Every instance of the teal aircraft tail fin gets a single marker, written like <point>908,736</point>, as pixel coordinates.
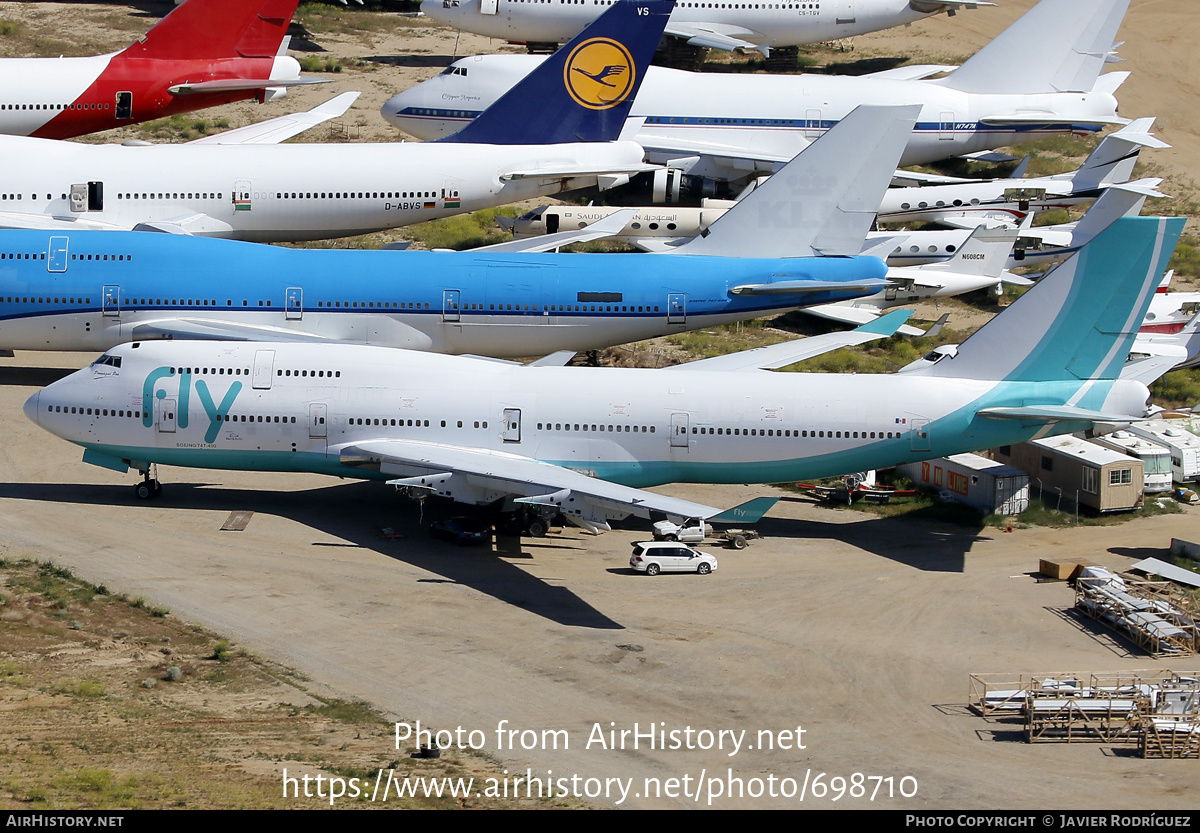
<point>1080,321</point>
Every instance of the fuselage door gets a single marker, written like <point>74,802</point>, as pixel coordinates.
<point>56,260</point>
<point>110,300</point>
<point>293,306</point>
<point>488,6</point>
<point>318,416</point>
<point>845,11</point>
<point>511,433</point>
<point>124,108</point>
<point>264,369</point>
<point>450,305</point>
<point>164,416</point>
<point>812,123</point>
<point>679,430</point>
<point>242,189</point>
<point>919,434</point>
<point>946,126</point>
<point>676,308</point>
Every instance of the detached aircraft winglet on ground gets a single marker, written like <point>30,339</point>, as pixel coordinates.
<point>202,54</point>
<point>587,443</point>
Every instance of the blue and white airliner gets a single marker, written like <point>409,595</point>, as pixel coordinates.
<point>587,442</point>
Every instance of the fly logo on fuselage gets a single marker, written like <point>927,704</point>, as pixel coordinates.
<point>599,73</point>
<point>151,390</point>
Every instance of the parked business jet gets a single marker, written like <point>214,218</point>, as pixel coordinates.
<point>978,264</point>
<point>88,290</point>
<point>1008,201</point>
<point>1040,77</point>
<point>758,26</point>
<point>202,54</point>
<point>587,442</point>
<point>555,131</point>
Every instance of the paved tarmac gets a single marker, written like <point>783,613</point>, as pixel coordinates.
<point>858,630</point>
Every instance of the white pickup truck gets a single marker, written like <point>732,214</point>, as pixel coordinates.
<point>693,531</point>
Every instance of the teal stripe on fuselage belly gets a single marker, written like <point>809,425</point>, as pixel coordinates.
<point>960,431</point>
<point>226,459</point>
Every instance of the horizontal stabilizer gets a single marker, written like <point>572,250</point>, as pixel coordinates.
<point>1055,413</point>
<point>569,171</point>
<point>233,85</point>
<point>274,131</point>
<point>559,358</point>
<point>1153,367</point>
<point>790,352</point>
<point>800,287</point>
<point>848,313</point>
<point>607,227</point>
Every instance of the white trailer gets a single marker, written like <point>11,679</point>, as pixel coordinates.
<point>1155,455</point>
<point>1183,445</point>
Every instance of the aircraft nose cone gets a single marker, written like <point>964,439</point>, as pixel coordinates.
<point>31,407</point>
<point>435,10</point>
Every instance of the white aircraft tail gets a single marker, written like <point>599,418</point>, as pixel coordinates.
<point>1113,159</point>
<point>822,202</point>
<point>1057,46</point>
<point>983,253</point>
<point>1079,322</point>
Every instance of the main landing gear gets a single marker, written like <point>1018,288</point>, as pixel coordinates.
<point>533,524</point>
<point>149,488</point>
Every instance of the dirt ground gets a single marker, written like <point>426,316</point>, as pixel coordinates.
<point>860,631</point>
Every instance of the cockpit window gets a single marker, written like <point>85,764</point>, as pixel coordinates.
<point>111,361</point>
<point>534,214</point>
<point>452,70</point>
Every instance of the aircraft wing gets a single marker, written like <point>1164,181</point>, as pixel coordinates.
<point>185,224</point>
<point>26,220</point>
<point>1021,119</point>
<point>790,352</point>
<point>274,131</point>
<point>912,73</point>
<point>716,35</point>
<point>481,476</point>
<point>610,225</point>
<point>201,329</point>
<point>230,85</point>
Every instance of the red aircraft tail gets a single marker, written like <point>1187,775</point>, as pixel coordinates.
<point>218,29</point>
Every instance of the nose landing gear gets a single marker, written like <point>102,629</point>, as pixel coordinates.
<point>149,488</point>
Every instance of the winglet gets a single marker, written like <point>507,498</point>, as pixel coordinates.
<point>747,513</point>
<point>583,92</point>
